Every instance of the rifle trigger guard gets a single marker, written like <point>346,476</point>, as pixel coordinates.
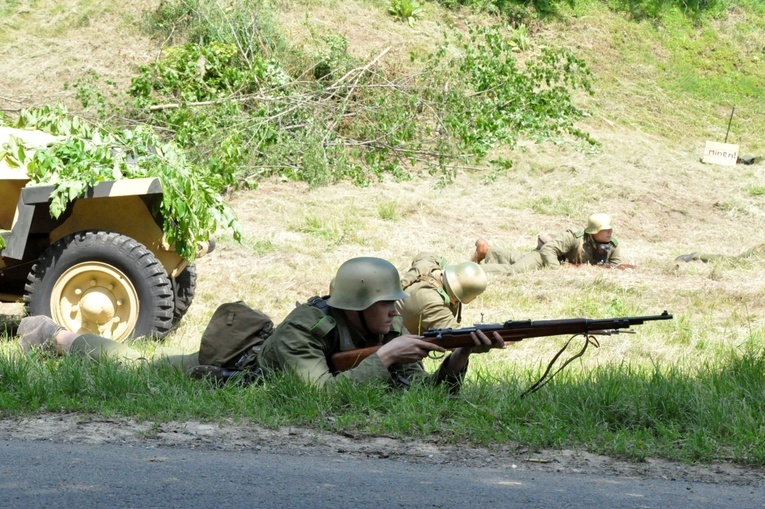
<point>436,357</point>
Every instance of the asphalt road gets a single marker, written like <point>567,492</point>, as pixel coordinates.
<point>55,475</point>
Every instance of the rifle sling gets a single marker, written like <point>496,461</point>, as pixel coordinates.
<point>544,379</point>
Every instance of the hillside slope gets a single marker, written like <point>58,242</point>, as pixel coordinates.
<point>665,202</point>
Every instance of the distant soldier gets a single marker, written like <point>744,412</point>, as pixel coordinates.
<point>437,291</point>
<point>594,245</point>
<point>757,251</point>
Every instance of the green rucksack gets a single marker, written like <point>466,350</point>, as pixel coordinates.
<point>233,340</point>
<point>234,336</point>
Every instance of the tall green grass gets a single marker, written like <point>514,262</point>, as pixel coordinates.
<point>706,412</point>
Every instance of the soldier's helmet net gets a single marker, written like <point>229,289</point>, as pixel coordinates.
<point>360,282</point>
<point>466,281</point>
<point>598,222</point>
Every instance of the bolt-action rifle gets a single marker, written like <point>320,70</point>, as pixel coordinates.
<point>517,330</point>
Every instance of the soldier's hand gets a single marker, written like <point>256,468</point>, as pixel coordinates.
<point>406,349</point>
<point>483,343</point>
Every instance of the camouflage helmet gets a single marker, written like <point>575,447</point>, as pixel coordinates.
<point>598,222</point>
<point>360,282</point>
<point>466,281</point>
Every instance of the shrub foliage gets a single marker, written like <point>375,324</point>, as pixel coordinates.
<point>248,111</point>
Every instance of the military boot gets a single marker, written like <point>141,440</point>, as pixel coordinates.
<point>481,250</point>
<point>38,332</point>
<point>687,258</point>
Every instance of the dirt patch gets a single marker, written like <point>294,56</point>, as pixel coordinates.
<point>73,428</point>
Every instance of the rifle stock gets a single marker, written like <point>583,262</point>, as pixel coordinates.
<point>510,331</point>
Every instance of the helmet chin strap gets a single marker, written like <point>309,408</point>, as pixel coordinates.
<point>454,297</point>
<point>363,322</point>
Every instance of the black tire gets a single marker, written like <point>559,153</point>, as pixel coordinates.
<point>101,282</point>
<point>184,287</point>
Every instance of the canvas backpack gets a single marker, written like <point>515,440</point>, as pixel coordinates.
<point>234,336</point>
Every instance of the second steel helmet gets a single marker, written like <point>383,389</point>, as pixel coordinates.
<point>360,282</point>
<point>466,281</point>
<point>598,222</point>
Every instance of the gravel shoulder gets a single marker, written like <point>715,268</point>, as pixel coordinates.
<point>192,435</point>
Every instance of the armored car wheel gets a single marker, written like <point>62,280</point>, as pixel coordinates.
<point>184,287</point>
<point>103,283</point>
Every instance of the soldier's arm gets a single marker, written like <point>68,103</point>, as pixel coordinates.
<point>557,248</point>
<point>293,348</point>
<point>616,256</point>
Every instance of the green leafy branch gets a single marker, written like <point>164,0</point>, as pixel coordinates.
<point>244,110</point>
<point>85,155</point>
<point>405,10</point>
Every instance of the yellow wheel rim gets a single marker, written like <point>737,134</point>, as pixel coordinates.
<point>95,298</point>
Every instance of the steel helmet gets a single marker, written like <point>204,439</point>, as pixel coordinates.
<point>466,281</point>
<point>360,282</point>
<point>598,222</point>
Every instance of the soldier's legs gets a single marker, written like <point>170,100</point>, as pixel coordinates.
<point>504,256</point>
<point>527,262</point>
<point>530,261</point>
<point>182,361</point>
<point>758,251</point>
<point>99,348</point>
<point>42,333</point>
<point>485,254</point>
<point>700,257</point>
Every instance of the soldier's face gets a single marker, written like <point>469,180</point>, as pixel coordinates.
<point>603,236</point>
<point>379,316</point>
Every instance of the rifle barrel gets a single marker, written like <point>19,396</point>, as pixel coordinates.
<point>510,330</point>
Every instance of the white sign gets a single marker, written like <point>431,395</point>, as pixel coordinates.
<point>720,153</point>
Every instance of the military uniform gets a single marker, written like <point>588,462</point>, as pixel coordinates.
<point>572,246</point>
<point>757,251</point>
<point>306,340</point>
<point>429,304</point>
<point>303,343</point>
<point>97,348</point>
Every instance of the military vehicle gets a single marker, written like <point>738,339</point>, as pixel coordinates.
<point>104,266</point>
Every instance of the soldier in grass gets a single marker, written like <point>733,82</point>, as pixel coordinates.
<point>594,245</point>
<point>757,252</point>
<point>437,290</point>
<point>360,312</point>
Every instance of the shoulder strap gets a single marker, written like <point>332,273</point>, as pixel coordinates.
<point>326,323</point>
<point>444,294</point>
<point>397,324</point>
<point>319,303</point>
